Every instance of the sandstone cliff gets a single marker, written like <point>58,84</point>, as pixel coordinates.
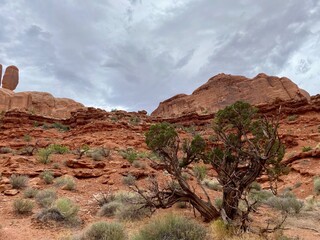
<point>223,90</point>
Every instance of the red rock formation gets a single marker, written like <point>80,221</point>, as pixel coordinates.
<point>39,103</point>
<point>223,90</point>
<point>11,78</point>
<point>0,73</point>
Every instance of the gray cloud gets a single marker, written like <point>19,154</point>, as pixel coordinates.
<point>133,54</point>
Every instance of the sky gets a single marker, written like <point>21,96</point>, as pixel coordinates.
<point>133,54</point>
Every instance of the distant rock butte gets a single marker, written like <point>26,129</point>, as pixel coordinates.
<point>223,90</point>
<point>39,103</point>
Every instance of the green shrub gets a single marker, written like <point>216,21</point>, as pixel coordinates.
<point>99,154</point>
<point>44,155</point>
<point>27,138</point>
<point>47,177</point>
<point>132,212</point>
<point>61,127</point>
<point>109,209</point>
<point>220,230</point>
<point>128,180</point>
<point>218,203</point>
<point>288,204</point>
<point>138,164</point>
<point>59,149</point>
<point>48,214</point>
<point>30,192</point>
<point>96,156</point>
<point>200,171</point>
<point>66,183</point>
<point>104,231</point>
<point>45,198</point>
<point>306,149</point>
<point>23,206</point>
<point>129,154</point>
<point>172,227</point>
<point>292,118</point>
<point>255,186</point>
<point>260,196</point>
<point>67,209</point>
<point>4,150</point>
<point>316,186</point>
<point>212,184</point>
<point>19,181</point>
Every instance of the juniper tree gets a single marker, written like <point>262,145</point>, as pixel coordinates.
<point>245,146</point>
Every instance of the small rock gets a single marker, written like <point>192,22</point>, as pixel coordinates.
<point>11,192</point>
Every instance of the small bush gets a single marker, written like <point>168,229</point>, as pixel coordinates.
<point>212,184</point>
<point>23,206</point>
<point>44,155</point>
<point>66,183</point>
<point>288,204</point>
<point>99,153</point>
<point>27,138</point>
<point>138,164</point>
<point>200,171</point>
<point>61,127</point>
<point>260,196</point>
<point>292,118</point>
<point>220,230</point>
<point>48,214</point>
<point>129,180</point>
<point>96,156</point>
<point>67,209</point>
<point>59,149</point>
<point>218,203</point>
<point>104,231</point>
<point>47,177</point>
<point>109,209</point>
<point>316,186</point>
<point>306,149</point>
<point>129,154</point>
<point>172,227</point>
<point>255,186</point>
<point>30,192</point>
<point>19,181</point>
<point>4,150</point>
<point>133,212</point>
<point>45,198</point>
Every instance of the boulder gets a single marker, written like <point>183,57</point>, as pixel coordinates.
<point>223,90</point>
<point>10,78</point>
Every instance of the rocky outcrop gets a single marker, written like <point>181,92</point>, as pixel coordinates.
<point>0,73</point>
<point>38,103</point>
<point>10,78</point>
<point>223,90</point>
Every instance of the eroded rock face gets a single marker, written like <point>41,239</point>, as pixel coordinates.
<point>39,103</point>
<point>10,78</point>
<point>0,73</point>
<point>223,90</point>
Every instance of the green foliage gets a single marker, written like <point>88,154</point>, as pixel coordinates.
<point>30,192</point>
<point>292,118</point>
<point>45,198</point>
<point>218,203</point>
<point>44,155</point>
<point>129,154</point>
<point>306,149</point>
<point>4,150</point>
<point>66,183</point>
<point>67,208</point>
<point>129,180</point>
<point>316,186</point>
<point>47,177</point>
<point>212,184</point>
<point>200,171</point>
<point>172,227</point>
<point>27,138</point>
<point>58,149</point>
<point>104,231</point>
<point>255,186</point>
<point>220,230</point>
<point>135,120</point>
<point>61,127</point>
<point>99,154</point>
<point>109,209</point>
<point>160,136</point>
<point>133,212</point>
<point>19,181</point>
<point>23,206</point>
<point>286,203</point>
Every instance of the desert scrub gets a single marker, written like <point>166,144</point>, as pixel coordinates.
<point>133,212</point>
<point>139,164</point>
<point>286,203</point>
<point>218,203</point>
<point>45,198</point>
<point>200,172</point>
<point>316,185</point>
<point>99,154</point>
<point>66,183</point>
<point>104,231</point>
<point>212,184</point>
<point>23,206</point>
<point>30,192</point>
<point>292,118</point>
<point>44,155</point>
<point>109,209</point>
<point>306,149</point>
<point>129,154</point>
<point>220,230</point>
<point>67,209</point>
<point>59,126</point>
<point>47,177</point>
<point>19,181</point>
<point>27,138</point>
<point>4,150</point>
<point>59,149</point>
<point>172,227</point>
<point>128,180</point>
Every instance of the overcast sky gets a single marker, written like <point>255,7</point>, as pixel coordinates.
<point>132,54</point>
